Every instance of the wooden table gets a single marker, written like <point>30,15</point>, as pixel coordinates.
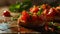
<point>14,24</point>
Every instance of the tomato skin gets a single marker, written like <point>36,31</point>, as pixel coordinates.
<point>49,14</point>
<point>25,16</point>
<point>24,12</point>
<point>58,7</point>
<point>45,6</point>
<point>34,9</point>
<point>6,14</point>
<point>45,12</point>
<point>58,10</point>
<point>34,17</point>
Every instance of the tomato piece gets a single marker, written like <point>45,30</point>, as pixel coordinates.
<point>49,14</point>
<point>34,17</point>
<point>34,9</point>
<point>45,12</point>
<point>6,13</point>
<point>58,10</point>
<point>58,7</point>
<point>25,16</point>
<point>45,6</point>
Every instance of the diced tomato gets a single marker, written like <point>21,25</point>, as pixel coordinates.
<point>34,9</point>
<point>45,6</point>
<point>51,12</point>
<point>25,16</point>
<point>6,13</point>
<point>45,12</point>
<point>34,17</point>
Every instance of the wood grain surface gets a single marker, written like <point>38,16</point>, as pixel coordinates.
<point>15,28</point>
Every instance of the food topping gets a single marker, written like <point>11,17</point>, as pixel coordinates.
<point>6,14</point>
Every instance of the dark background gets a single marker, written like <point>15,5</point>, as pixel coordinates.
<point>37,2</point>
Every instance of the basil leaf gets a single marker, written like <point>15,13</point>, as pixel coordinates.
<point>40,11</point>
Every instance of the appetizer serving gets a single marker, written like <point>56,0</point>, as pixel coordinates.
<point>40,17</point>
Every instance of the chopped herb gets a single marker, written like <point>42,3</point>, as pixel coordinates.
<point>40,11</point>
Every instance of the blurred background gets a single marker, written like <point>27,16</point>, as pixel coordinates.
<point>37,2</point>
